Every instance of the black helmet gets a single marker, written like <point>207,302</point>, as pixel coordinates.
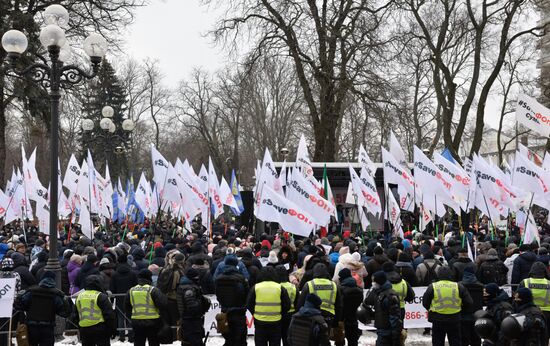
<point>484,327</point>
<point>364,314</point>
<point>512,326</point>
<point>480,314</point>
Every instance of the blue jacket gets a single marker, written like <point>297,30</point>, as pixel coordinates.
<point>221,266</point>
<point>522,266</point>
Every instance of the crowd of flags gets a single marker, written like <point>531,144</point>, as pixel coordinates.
<point>292,196</point>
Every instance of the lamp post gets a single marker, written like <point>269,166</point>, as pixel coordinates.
<point>54,76</point>
<point>109,132</point>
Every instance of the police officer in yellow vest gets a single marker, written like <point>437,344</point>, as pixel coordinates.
<point>292,291</point>
<point>444,300</point>
<point>331,297</point>
<point>96,317</point>
<point>143,305</point>
<point>540,288</point>
<point>268,301</point>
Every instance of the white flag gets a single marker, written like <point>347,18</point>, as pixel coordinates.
<point>302,158</point>
<point>365,160</point>
<point>273,207</point>
<point>453,172</point>
<point>397,151</point>
<point>365,189</point>
<point>393,214</point>
<point>302,193</point>
<point>85,221</point>
<point>94,191</point>
<point>214,190</point>
<point>70,181</point>
<point>142,196</point>
<point>394,173</point>
<point>160,170</point>
<point>533,115</point>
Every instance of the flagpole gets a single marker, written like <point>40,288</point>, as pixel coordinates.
<point>490,218</point>
<point>527,218</point>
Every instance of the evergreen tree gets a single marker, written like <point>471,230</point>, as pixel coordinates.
<point>105,90</point>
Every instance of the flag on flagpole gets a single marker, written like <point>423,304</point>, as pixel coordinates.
<point>237,194</point>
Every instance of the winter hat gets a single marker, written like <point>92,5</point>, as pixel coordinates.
<point>122,258</point>
<point>155,269</point>
<point>378,250</point>
<point>272,257</point>
<point>403,257</point>
<point>525,295</point>
<point>104,261</point>
<point>231,261</point>
<point>192,274</point>
<point>314,300</point>
<point>266,243</point>
<point>157,245</point>
<point>492,252</point>
<point>48,274</point>
<point>379,277</point>
<point>492,289</point>
<point>388,267</point>
<point>469,269</point>
<point>7,264</point>
<point>91,258</point>
<point>344,273</point>
<point>145,274</point>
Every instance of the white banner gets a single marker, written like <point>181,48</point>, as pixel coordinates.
<point>533,115</point>
<point>7,295</point>
<point>210,317</point>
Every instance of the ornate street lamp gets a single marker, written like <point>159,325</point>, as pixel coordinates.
<point>54,76</point>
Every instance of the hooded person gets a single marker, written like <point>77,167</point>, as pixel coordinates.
<point>460,263</point>
<point>192,305</point>
<point>308,327</point>
<point>534,327</point>
<point>20,266</point>
<point>492,269</point>
<point>232,290</point>
<point>41,304</point>
<point>96,316</point>
<point>375,264</point>
<point>352,296</point>
<point>143,305</point>
<point>240,266</point>
<point>498,308</point>
<point>540,288</point>
<point>168,280</point>
<point>405,269</point>
<point>475,288</point>
<point>73,268</point>
<point>387,313</point>
<point>122,280</point>
<point>445,316</point>
<point>427,271</point>
<point>7,272</point>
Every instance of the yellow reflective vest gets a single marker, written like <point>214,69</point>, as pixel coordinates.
<point>268,301</point>
<point>326,290</point>
<point>88,311</point>
<point>540,288</point>
<point>291,290</point>
<point>143,307</point>
<point>401,289</point>
<point>446,299</point>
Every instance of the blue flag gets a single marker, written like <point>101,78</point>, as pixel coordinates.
<point>447,154</point>
<point>134,212</point>
<point>236,194</point>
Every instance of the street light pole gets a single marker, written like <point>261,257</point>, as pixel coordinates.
<point>54,76</point>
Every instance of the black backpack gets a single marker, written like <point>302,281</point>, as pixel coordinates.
<point>431,275</point>
<point>492,271</point>
<point>191,298</point>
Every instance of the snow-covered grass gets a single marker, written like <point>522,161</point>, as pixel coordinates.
<point>414,338</point>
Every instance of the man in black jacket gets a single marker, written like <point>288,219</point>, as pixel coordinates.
<point>231,291</point>
<point>192,306</point>
<point>352,298</point>
<point>522,264</point>
<point>20,266</point>
<point>41,304</point>
<point>387,314</point>
<point>534,328</point>
<point>462,262</point>
<point>143,305</point>
<point>122,280</point>
<point>475,288</point>
<point>96,316</point>
<point>444,300</point>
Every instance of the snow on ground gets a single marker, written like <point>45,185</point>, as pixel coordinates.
<point>415,338</point>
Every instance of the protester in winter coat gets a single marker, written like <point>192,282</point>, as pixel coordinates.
<point>138,254</point>
<point>20,267</point>
<point>308,327</point>
<point>355,265</point>
<point>404,268</point>
<point>41,304</point>
<point>352,296</point>
<point>399,285</point>
<point>511,255</point>
<point>523,263</point>
<point>167,282</point>
<point>462,262</point>
<point>122,280</point>
<point>375,264</point>
<point>475,288</point>
<point>73,268</point>
<point>427,271</point>
<point>492,269</point>
<point>540,288</point>
<point>286,257</point>
<point>88,268</point>
<point>534,332</point>
<point>192,306</point>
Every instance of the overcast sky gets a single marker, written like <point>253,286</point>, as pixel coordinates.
<point>173,31</point>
